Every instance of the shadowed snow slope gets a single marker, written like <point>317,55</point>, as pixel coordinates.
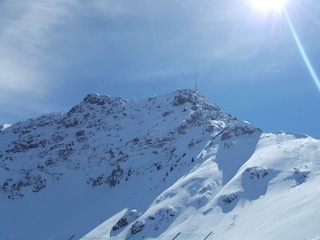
<point>168,167</point>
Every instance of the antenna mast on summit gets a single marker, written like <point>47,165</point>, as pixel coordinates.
<point>196,84</point>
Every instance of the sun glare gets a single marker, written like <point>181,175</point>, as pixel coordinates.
<point>268,5</point>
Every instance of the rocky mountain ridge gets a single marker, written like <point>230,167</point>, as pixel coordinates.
<point>107,131</point>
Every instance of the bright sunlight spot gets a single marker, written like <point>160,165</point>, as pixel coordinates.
<point>268,5</point>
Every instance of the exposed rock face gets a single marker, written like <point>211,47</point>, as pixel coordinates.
<point>110,132</point>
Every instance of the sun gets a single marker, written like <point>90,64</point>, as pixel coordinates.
<point>268,5</point>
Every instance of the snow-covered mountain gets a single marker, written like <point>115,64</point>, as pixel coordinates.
<point>168,167</point>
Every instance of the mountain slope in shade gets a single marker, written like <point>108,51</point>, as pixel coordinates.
<point>170,166</point>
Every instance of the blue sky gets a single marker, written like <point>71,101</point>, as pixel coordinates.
<point>52,53</point>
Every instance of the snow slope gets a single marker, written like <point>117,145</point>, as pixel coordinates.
<point>168,167</point>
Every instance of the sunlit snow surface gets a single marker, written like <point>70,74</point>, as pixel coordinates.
<point>169,167</point>
<point>5,126</point>
<point>275,191</point>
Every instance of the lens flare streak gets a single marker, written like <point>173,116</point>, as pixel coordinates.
<point>302,51</point>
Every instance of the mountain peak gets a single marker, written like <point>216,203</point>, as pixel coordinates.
<point>164,166</point>
<point>184,96</point>
<point>108,124</point>
<point>95,98</point>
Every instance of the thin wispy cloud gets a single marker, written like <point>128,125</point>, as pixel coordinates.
<point>32,38</point>
<point>25,34</point>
